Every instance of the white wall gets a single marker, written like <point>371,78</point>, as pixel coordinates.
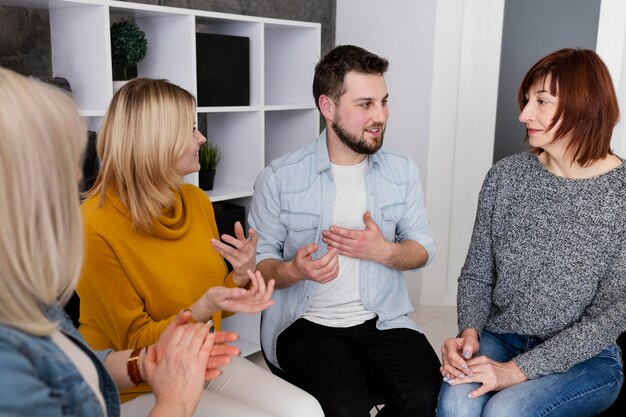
<point>443,84</point>
<point>611,46</point>
<point>403,32</point>
<point>443,80</point>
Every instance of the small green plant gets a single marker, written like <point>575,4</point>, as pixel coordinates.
<point>128,45</point>
<point>210,155</point>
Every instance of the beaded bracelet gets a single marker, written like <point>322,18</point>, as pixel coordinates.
<point>132,365</point>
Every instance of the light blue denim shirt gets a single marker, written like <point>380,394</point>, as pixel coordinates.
<point>293,203</point>
<point>38,379</point>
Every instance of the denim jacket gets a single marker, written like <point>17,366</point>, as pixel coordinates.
<point>38,379</point>
<point>293,203</point>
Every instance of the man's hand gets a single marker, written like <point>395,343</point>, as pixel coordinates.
<point>368,244</point>
<point>322,270</point>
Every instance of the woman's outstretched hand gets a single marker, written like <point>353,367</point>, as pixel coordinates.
<point>240,252</point>
<point>237,300</point>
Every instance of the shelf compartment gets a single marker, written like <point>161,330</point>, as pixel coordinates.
<point>291,52</point>
<point>228,109</point>
<point>171,51</point>
<point>240,135</point>
<point>78,33</point>
<point>285,131</point>
<point>223,192</point>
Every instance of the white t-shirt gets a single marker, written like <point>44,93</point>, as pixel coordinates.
<point>338,302</point>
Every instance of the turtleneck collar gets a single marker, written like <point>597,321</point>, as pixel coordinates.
<point>171,225</point>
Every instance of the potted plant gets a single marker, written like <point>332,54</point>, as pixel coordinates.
<point>128,47</point>
<point>210,156</point>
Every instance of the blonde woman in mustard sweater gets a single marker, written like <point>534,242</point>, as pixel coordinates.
<point>152,249</point>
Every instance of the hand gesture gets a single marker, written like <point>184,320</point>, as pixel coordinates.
<point>494,376</point>
<point>322,270</point>
<point>177,377</point>
<point>236,300</point>
<point>221,353</point>
<point>240,252</point>
<point>368,244</point>
<point>455,352</point>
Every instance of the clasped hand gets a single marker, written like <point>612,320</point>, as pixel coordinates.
<point>184,357</point>
<point>460,366</point>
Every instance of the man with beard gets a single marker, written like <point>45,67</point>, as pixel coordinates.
<point>338,221</point>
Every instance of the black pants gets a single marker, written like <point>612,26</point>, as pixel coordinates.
<point>347,369</point>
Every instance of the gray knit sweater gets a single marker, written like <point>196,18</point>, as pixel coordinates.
<point>547,259</point>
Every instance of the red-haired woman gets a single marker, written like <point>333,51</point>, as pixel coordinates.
<point>541,296</point>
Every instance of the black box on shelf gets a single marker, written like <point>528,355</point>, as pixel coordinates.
<point>226,214</point>
<point>223,70</point>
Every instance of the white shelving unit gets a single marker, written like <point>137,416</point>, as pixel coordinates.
<point>281,115</point>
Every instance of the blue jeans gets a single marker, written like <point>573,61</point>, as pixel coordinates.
<point>586,389</point>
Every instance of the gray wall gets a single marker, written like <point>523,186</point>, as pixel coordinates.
<point>25,33</point>
<point>532,29</point>
<point>25,41</point>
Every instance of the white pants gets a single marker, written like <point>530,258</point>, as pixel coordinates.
<point>243,390</point>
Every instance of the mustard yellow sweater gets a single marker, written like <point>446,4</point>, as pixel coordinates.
<point>133,283</point>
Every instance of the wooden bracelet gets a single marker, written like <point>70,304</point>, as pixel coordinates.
<point>132,366</point>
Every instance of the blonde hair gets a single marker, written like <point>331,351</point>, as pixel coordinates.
<point>42,139</point>
<point>146,129</point>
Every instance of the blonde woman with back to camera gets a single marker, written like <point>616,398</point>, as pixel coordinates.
<point>47,368</point>
<point>153,248</point>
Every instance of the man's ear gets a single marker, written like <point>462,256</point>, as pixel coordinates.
<point>327,107</point>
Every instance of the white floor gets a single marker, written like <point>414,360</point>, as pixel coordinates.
<point>437,323</point>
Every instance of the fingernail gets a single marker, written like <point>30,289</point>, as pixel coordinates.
<point>446,379</point>
<point>470,374</point>
<point>187,309</point>
<point>463,366</point>
<point>469,395</point>
<point>212,329</point>
<point>467,355</point>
